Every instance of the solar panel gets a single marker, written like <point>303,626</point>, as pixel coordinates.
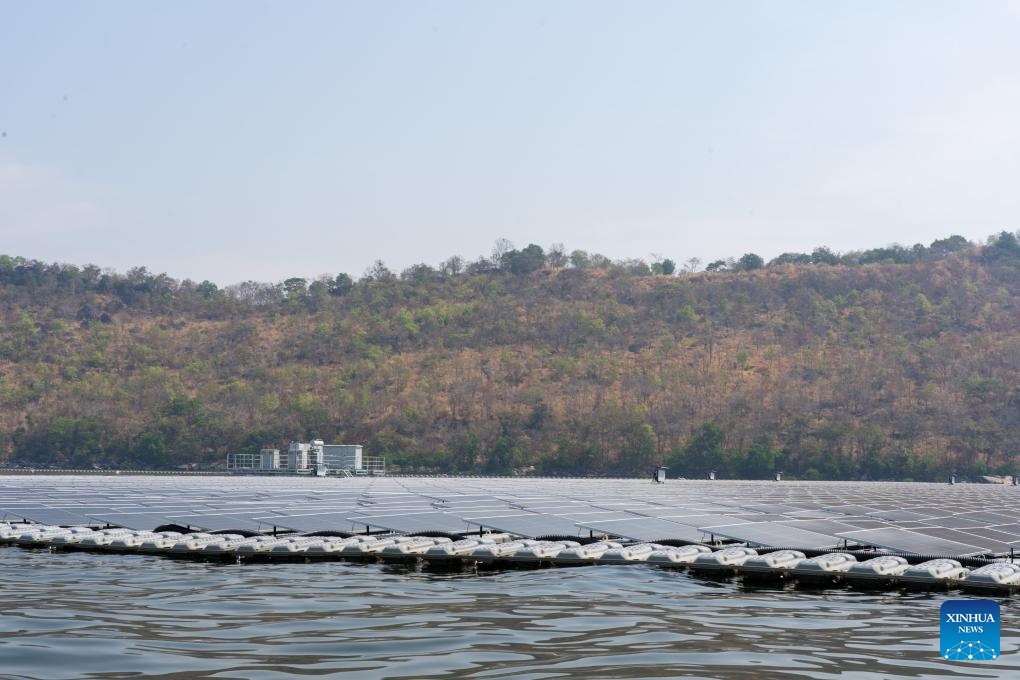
<point>826,527</point>
<point>756,517</point>
<point>464,497</point>
<point>808,506</point>
<point>989,545</point>
<point>310,522</point>
<point>413,522</point>
<point>987,518</point>
<point>957,522</point>
<point>864,523</point>
<point>474,503</point>
<point>776,535</point>
<point>699,521</point>
<point>1003,537</point>
<point>982,516</point>
<point>932,511</point>
<point>593,515</point>
<point>529,525</point>
<point>645,529</point>
<point>133,520</point>
<point>551,507</point>
<point>760,507</point>
<point>686,511</point>
<point>909,542</point>
<point>853,510</point>
<point>215,522</point>
<point>52,516</point>
<point>1012,529</point>
<point>899,515</point>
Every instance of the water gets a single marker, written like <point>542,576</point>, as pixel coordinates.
<point>87,615</point>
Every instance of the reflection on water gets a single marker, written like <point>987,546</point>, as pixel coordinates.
<point>74,615</point>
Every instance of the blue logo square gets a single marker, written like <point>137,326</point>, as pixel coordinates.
<point>969,630</point>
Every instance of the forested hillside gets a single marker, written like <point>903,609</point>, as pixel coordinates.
<point>891,363</point>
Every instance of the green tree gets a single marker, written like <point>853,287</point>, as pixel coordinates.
<point>525,261</point>
<point>823,255</point>
<point>341,285</point>
<point>207,290</point>
<point>944,246</point>
<point>790,258</point>
<point>639,452</point>
<point>750,262</point>
<point>419,274</point>
<point>717,266</point>
<point>295,288</point>
<point>664,267</point>
<point>504,456</point>
<point>579,259</point>
<point>704,452</point>
<point>66,441</point>
<point>467,450</point>
<point>150,451</point>
<point>1005,246</point>
<point>761,459</point>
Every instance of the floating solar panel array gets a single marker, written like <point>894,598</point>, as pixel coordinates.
<point>898,518</point>
<point>502,551</point>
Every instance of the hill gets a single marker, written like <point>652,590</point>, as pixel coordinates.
<point>904,364</point>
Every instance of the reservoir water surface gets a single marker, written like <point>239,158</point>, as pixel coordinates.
<point>92,615</point>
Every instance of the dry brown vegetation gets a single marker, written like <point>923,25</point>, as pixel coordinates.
<point>864,371</point>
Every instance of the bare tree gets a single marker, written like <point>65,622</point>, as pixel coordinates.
<point>556,257</point>
<point>255,293</point>
<point>452,266</point>
<point>500,248</point>
<point>379,272</point>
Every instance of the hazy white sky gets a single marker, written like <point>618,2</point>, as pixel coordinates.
<point>261,140</point>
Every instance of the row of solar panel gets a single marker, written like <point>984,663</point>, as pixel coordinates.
<point>944,521</point>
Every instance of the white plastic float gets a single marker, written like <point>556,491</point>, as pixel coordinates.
<point>680,556</point>
<point>103,538</point>
<point>586,554</point>
<point>74,536</point>
<point>370,548</point>
<point>41,536</point>
<point>458,550</point>
<point>230,547</point>
<point>639,552</point>
<point>938,573</point>
<point>136,539</point>
<point>499,551</point>
<point>776,564</point>
<point>332,546</point>
<point>1000,576</point>
<point>195,543</point>
<point>412,548</point>
<point>727,559</point>
<point>10,532</point>
<point>881,569</point>
<point>265,544</point>
<point>541,551</point>
<point>296,546</point>
<point>824,567</point>
<point>160,543</point>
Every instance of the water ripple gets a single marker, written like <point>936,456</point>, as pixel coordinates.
<point>83,615</point>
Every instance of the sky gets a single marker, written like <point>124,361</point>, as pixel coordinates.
<point>233,141</point>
